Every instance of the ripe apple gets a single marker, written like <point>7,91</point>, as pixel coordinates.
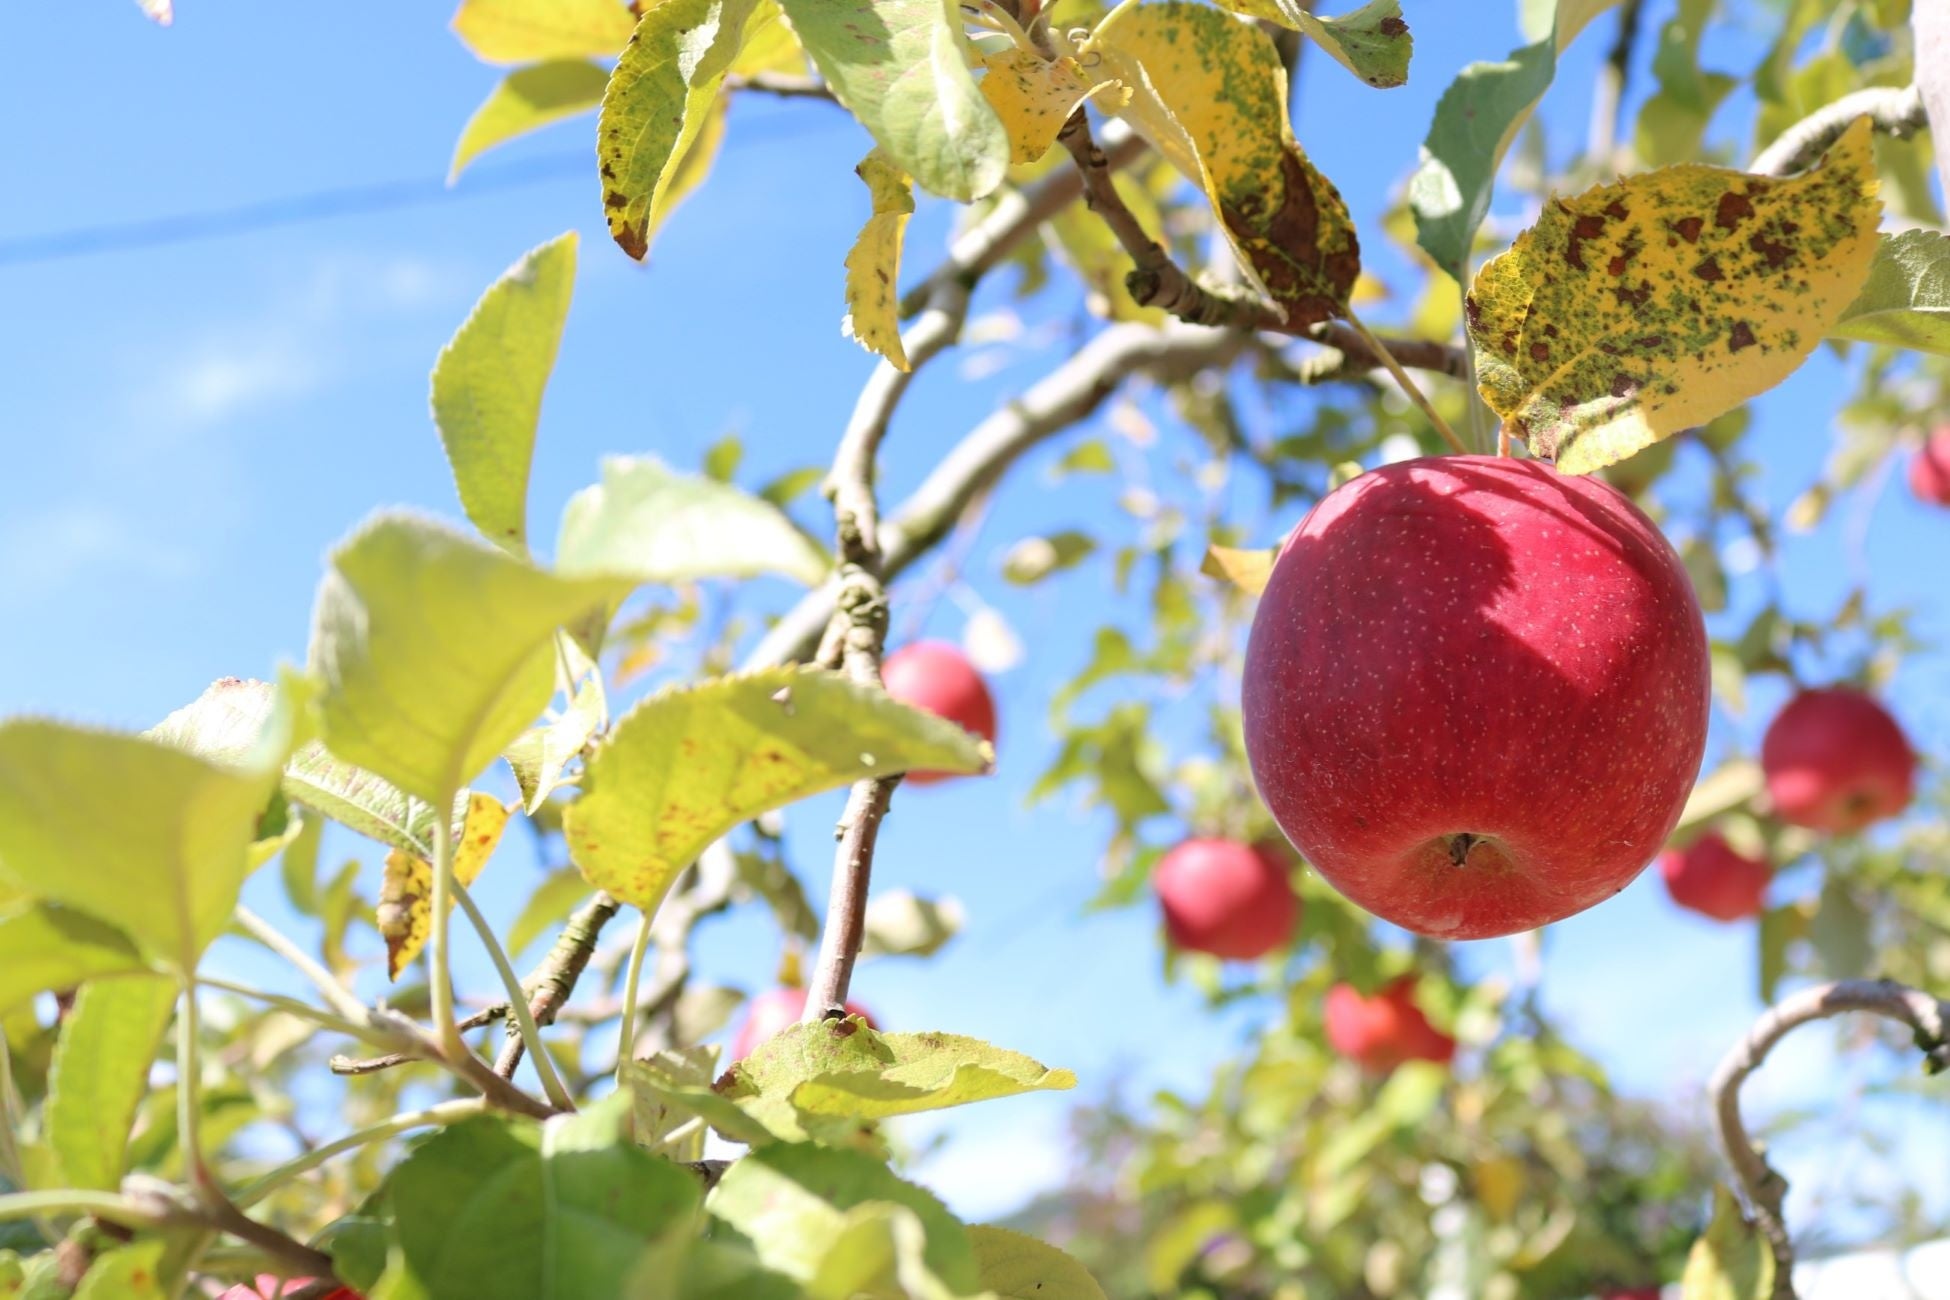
<point>1836,761</point>
<point>1476,693</point>
<point>937,677</point>
<point>1380,1032</point>
<point>1228,899</point>
<point>1711,877</point>
<point>776,1010</point>
<point>268,1286</point>
<point>1929,469</point>
<point>1651,1292</point>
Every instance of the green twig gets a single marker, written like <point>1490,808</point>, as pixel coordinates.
<point>109,1206</point>
<point>1408,385</point>
<point>626,1031</point>
<point>517,1001</point>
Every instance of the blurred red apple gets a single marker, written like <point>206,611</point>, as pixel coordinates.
<point>269,1286</point>
<point>937,677</point>
<point>775,1010</point>
<point>1381,1032</point>
<point>1631,1293</point>
<point>1224,898</point>
<point>1836,761</point>
<point>1929,469</point>
<point>1476,693</point>
<point>1711,877</point>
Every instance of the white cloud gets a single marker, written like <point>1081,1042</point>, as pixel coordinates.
<point>221,382</point>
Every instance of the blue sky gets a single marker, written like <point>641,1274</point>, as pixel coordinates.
<point>189,427</point>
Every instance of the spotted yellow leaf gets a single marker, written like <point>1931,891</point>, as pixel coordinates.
<point>873,267</point>
<point>1372,42</point>
<point>1034,96</point>
<point>406,893</point>
<point>1651,305</point>
<point>1209,92</point>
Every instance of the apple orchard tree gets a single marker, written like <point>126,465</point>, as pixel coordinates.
<point>1469,695</point>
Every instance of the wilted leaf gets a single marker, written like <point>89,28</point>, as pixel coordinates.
<point>658,102</point>
<point>101,1073</point>
<point>1372,42</point>
<point>1249,571</point>
<point>538,755</point>
<point>435,651</point>
<point>488,384</point>
<point>406,891</point>
<point>1729,1262</point>
<point>1034,96</point>
<point>1906,301</point>
<point>1018,1267</point>
<point>528,31</point>
<point>900,923</point>
<point>526,100</point>
<point>901,67</point>
<point>1209,92</point>
<point>51,947</point>
<point>873,265</point>
<point>686,765</point>
<point>1652,305</point>
<point>654,524</point>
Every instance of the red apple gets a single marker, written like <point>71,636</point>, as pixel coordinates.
<point>1631,1293</point>
<point>1929,469</point>
<point>1476,693</point>
<point>776,1010</point>
<point>1711,877</point>
<point>1836,761</point>
<point>269,1285</point>
<point>937,677</point>
<point>1224,898</point>
<point>1380,1032</point>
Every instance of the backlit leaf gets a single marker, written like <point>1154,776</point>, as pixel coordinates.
<point>538,755</point>
<point>1034,96</point>
<point>51,947</point>
<point>526,100</point>
<point>436,651</point>
<point>686,765</point>
<point>1019,1267</point>
<point>1209,92</point>
<point>528,31</point>
<point>551,901</point>
<point>1652,305</point>
<point>488,384</point>
<point>1247,570</point>
<point>131,1272</point>
<point>873,266</point>
<point>1730,1261</point>
<point>901,67</point>
<point>1372,42</point>
<point>101,1073</point>
<point>406,891</point>
<point>769,45</point>
<point>1906,301</point>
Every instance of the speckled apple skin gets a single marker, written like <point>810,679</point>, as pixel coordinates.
<point>1468,645</point>
<point>1836,761</point>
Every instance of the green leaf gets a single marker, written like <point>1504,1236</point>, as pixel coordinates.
<point>360,801</point>
<point>687,764</point>
<point>1475,121</point>
<point>1906,301</point>
<point>1731,1261</point>
<point>501,1209</point>
<point>901,67</point>
<point>101,1073</point>
<point>527,31</point>
<point>1672,124</point>
<point>51,947</point>
<point>1840,933</point>
<point>900,923</point>
<point>842,1069</point>
<point>488,384</point>
<point>538,755</point>
<point>1034,558</point>
<point>658,102</point>
<point>131,1272</point>
<point>672,1086</point>
<point>526,100</point>
<point>137,832</point>
<point>553,899</point>
<point>1018,1267</point>
<point>1372,42</point>
<point>876,1249</point>
<point>1779,928</point>
<point>435,651</point>
<point>791,1201</point>
<point>654,524</point>
<point>299,866</point>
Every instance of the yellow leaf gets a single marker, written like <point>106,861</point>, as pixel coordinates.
<point>529,31</point>
<point>1209,92</point>
<point>873,267</point>
<point>1499,1183</point>
<point>406,893</point>
<point>1654,304</point>
<point>1034,97</point>
<point>1247,570</point>
<point>769,45</point>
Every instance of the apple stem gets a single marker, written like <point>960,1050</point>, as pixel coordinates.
<point>1503,440</point>
<point>1415,394</point>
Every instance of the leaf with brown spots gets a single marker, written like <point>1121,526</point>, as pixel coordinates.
<point>1652,305</point>
<point>873,267</point>
<point>1209,92</point>
<point>1372,42</point>
<point>1034,96</point>
<point>688,764</point>
<point>405,907</point>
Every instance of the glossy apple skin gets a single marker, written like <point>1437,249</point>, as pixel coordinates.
<point>1476,693</point>
<point>1711,877</point>
<point>1929,469</point>
<point>1382,1031</point>
<point>937,677</point>
<point>776,1010</point>
<point>1836,761</point>
<point>1228,899</point>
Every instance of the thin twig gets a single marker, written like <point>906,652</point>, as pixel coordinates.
<point>336,994</point>
<point>446,1112</point>
<point>555,979</point>
<point>632,982</point>
<point>342,1064</point>
<point>518,1008</point>
<point>1358,358</point>
<point>783,85</point>
<point>1893,110</point>
<point>1408,385</point>
<point>1765,1188</point>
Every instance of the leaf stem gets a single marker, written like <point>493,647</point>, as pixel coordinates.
<point>517,1002</point>
<point>447,1112</point>
<point>632,977</point>
<point>302,1010</point>
<point>189,1093</point>
<point>445,1031</point>
<point>1408,385</point>
<point>336,994</point>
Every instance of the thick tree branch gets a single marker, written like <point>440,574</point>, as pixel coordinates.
<point>555,979</point>
<point>1893,110</point>
<point>1765,1188</point>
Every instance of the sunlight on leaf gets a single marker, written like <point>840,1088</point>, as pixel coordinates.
<point>406,890</point>
<point>526,100</point>
<point>108,1041</point>
<point>131,1272</point>
<point>1372,42</point>
<point>1247,570</point>
<point>50,947</point>
<point>900,923</point>
<point>1019,1267</point>
<point>529,31</point>
<point>1731,1261</point>
<point>873,266</point>
<point>538,755</point>
<point>1906,302</point>
<point>1034,97</point>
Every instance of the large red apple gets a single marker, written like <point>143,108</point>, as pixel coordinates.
<point>1228,899</point>
<point>1476,693</point>
<point>1929,469</point>
<point>937,677</point>
<point>1836,761</point>
<point>1380,1032</point>
<point>1711,877</point>
<point>774,1011</point>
